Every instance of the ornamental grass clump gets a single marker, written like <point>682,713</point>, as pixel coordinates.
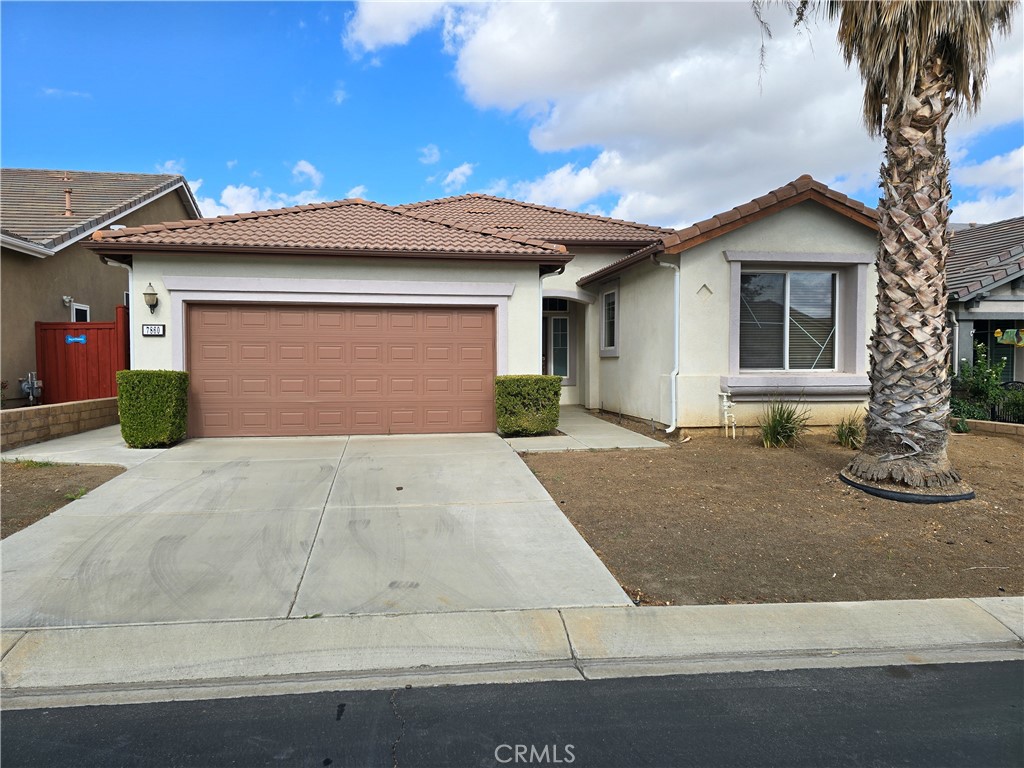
<point>849,432</point>
<point>783,423</point>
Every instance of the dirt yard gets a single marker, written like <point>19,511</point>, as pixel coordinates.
<point>31,490</point>
<point>716,520</point>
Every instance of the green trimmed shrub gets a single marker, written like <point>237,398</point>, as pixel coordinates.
<point>153,406</point>
<point>783,423</point>
<point>967,409</point>
<point>527,405</point>
<point>1013,406</point>
<point>849,432</point>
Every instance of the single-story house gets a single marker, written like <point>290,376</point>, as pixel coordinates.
<point>48,275</point>
<point>354,317</point>
<point>985,278</point>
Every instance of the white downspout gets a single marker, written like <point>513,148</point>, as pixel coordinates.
<point>540,335</point>
<point>131,295</point>
<point>674,376</point>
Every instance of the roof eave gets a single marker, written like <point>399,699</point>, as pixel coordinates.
<point>711,234</point>
<point>25,246</point>
<point>115,249</point>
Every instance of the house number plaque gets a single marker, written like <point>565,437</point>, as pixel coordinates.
<point>153,330</point>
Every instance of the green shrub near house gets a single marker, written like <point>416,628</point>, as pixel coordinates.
<point>527,405</point>
<point>783,423</point>
<point>153,407</point>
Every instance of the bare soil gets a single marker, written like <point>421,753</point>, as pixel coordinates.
<point>716,520</point>
<point>30,490</point>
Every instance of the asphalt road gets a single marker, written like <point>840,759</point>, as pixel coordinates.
<point>936,715</point>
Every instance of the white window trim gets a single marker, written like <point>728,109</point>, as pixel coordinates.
<point>88,313</point>
<point>256,290</point>
<point>850,379</point>
<point>607,350</point>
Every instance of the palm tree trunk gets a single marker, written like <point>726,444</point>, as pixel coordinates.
<point>906,424</point>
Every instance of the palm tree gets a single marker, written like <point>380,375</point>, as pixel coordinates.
<point>920,62</point>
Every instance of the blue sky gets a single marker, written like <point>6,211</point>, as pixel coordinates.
<point>648,112</point>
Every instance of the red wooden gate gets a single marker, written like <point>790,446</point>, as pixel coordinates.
<point>78,361</point>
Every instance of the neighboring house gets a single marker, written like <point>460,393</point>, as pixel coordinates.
<point>985,278</point>
<point>47,275</point>
<point>354,317</point>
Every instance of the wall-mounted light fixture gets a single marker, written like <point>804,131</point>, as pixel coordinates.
<point>152,300</point>
<point>67,300</point>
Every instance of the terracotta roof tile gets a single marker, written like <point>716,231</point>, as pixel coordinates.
<point>796,191</point>
<point>33,200</point>
<point>350,226</point>
<point>535,221</point>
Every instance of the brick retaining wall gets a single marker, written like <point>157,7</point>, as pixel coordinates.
<point>995,427</point>
<point>23,426</point>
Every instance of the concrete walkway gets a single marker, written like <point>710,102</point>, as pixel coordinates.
<point>97,446</point>
<point>127,664</point>
<point>582,432</point>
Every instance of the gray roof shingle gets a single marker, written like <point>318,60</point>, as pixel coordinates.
<point>32,201</point>
<point>984,256</point>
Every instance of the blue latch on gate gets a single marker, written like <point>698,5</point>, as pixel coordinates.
<point>75,339</point>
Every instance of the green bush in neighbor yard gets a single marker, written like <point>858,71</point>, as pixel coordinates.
<point>527,405</point>
<point>153,406</point>
<point>783,423</point>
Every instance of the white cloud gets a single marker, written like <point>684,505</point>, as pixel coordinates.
<point>376,25</point>
<point>457,177</point>
<point>430,154</point>
<point>231,164</point>
<point>171,166</point>
<point>996,187</point>
<point>242,198</point>
<point>60,93</point>
<point>680,127</point>
<point>339,95</point>
<point>357,191</point>
<point>306,170</point>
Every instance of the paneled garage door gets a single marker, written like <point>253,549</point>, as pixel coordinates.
<point>319,370</point>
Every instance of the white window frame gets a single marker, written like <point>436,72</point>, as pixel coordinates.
<point>610,350</point>
<point>88,313</point>
<point>837,292</point>
<point>849,382</point>
<point>550,331</point>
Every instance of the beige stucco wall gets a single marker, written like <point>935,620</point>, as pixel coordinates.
<point>586,260</point>
<point>272,277</point>
<point>633,383</point>
<point>32,290</point>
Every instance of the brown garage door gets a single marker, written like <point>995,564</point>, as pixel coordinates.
<point>283,370</point>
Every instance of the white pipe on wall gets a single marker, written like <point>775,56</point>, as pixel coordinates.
<point>676,311</point>
<point>955,325</point>
<point>540,335</point>
<point>131,296</point>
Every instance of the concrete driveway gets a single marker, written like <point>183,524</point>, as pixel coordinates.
<point>293,527</point>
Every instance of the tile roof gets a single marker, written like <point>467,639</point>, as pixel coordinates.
<point>32,201</point>
<point>797,191</point>
<point>349,227</point>
<point>984,256</point>
<point>520,219</point>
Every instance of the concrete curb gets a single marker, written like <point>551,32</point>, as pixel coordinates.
<point>159,662</point>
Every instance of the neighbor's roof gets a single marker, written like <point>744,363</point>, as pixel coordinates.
<point>519,219</point>
<point>32,202</point>
<point>983,257</point>
<point>797,191</point>
<point>344,227</point>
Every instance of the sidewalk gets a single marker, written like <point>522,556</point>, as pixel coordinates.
<point>162,662</point>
